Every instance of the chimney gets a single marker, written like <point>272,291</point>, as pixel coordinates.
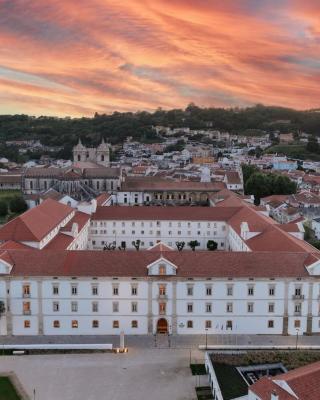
<point>274,395</point>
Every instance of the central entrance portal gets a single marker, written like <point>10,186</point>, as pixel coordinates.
<point>162,326</point>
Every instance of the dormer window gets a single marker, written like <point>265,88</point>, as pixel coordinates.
<point>162,269</point>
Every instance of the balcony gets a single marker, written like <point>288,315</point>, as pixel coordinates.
<point>26,312</point>
<point>26,295</point>
<point>162,312</point>
<point>298,297</point>
<point>297,313</point>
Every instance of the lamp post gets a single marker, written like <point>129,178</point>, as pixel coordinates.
<point>297,338</point>
<point>206,338</point>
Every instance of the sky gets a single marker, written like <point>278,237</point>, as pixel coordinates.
<point>78,57</point>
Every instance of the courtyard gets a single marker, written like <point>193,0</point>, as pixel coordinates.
<point>139,374</point>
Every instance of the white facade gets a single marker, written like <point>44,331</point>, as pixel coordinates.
<point>107,305</point>
<point>149,232</point>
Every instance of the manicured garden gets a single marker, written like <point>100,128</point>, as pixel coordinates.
<point>7,390</point>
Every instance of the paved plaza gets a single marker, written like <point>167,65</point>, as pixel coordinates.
<point>154,368</point>
<point>140,375</point>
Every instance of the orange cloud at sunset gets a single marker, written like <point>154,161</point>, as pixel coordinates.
<point>76,58</point>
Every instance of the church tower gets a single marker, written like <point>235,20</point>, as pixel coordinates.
<point>103,154</point>
<point>79,152</point>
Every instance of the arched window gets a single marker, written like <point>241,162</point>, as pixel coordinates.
<point>102,157</point>
<point>79,158</point>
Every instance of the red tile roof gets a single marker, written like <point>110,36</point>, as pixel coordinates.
<point>303,382</point>
<point>158,184</point>
<point>11,245</point>
<point>36,223</point>
<point>164,213</point>
<point>102,198</point>
<point>134,263</point>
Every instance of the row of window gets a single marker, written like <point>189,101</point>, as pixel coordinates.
<point>134,324</point>
<point>158,233</point>
<point>157,223</point>
<point>26,290</point>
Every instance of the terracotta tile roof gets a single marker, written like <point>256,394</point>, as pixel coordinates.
<point>101,172</point>
<point>36,223</point>
<point>79,218</point>
<point>160,247</point>
<point>6,178</point>
<point>59,242</point>
<point>134,263</point>
<point>133,183</point>
<point>102,198</point>
<point>11,245</point>
<point>164,213</point>
<point>233,177</point>
<point>265,386</point>
<point>303,382</point>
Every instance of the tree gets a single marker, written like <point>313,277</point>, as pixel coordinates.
<point>136,244</point>
<point>123,246</point>
<point>212,245</point>
<point>180,245</point>
<point>110,246</point>
<point>17,205</point>
<point>193,244</point>
<point>248,170</point>
<point>3,208</point>
<point>259,185</point>
<point>313,145</point>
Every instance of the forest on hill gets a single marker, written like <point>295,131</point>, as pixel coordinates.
<point>117,126</point>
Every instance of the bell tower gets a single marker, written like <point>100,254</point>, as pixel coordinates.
<point>103,154</point>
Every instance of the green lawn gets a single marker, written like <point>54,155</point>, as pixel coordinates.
<point>7,390</point>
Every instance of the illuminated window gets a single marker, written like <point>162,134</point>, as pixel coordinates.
<point>56,324</point>
<point>162,270</point>
<point>27,323</point>
<point>74,323</point>
<point>115,324</point>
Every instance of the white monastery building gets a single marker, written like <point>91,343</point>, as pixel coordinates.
<point>55,279</point>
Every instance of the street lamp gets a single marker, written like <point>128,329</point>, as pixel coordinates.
<point>297,338</point>
<point>206,338</point>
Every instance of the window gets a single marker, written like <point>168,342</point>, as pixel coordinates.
<point>74,290</point>
<point>190,290</point>
<point>250,307</point>
<point>297,323</point>
<point>26,290</point>
<point>26,308</point>
<point>229,307</point>
<point>272,290</point>
<point>115,289</point>
<point>94,306</point>
<point>229,325</point>
<point>55,290</point>
<point>189,307</point>
<point>297,291</point>
<point>208,307</point>
<point>271,324</point>
<point>271,307</point>
<point>230,290</point>
<point>55,306</point>
<point>56,324</point>
<point>134,324</point>
<point>74,306</point>
<point>115,306</point>
<point>209,290</point>
<point>162,308</point>
<point>74,324</point>
<point>162,270</point>
<point>134,290</point>
<point>95,323</point>
<point>162,290</point>
<point>250,290</point>
<point>27,323</point>
<point>94,290</point>
<point>297,308</point>
<point>115,324</point>
<point>208,325</point>
<point>134,307</point>
<point>189,324</point>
